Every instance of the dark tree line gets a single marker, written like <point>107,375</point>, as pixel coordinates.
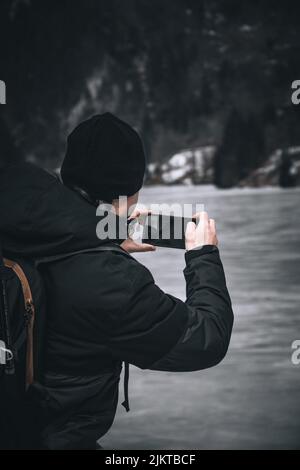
<point>184,72</point>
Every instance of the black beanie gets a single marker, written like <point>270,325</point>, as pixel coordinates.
<point>105,157</point>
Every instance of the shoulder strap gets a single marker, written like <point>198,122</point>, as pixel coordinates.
<point>108,247</point>
<point>29,316</point>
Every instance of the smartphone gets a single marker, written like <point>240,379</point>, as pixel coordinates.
<point>163,230</point>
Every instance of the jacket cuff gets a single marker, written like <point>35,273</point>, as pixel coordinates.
<point>202,250</point>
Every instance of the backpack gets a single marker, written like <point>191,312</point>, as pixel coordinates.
<point>21,298</point>
<point>23,399</point>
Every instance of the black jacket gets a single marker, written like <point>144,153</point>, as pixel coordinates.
<point>103,307</point>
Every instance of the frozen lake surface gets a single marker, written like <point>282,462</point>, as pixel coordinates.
<point>252,399</point>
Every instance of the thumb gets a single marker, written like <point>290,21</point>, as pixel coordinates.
<point>143,247</point>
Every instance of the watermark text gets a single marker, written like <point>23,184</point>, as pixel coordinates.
<point>2,92</point>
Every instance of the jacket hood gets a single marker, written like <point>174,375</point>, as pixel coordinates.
<point>39,216</point>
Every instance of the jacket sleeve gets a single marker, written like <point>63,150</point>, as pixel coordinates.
<point>150,324</point>
<point>158,331</point>
<point>206,339</point>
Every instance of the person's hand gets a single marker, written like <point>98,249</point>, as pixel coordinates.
<point>204,233</point>
<point>139,212</point>
<point>131,245</point>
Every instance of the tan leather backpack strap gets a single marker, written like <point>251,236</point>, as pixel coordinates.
<point>30,316</point>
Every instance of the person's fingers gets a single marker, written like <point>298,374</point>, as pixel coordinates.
<point>132,247</point>
<point>190,234</point>
<point>204,217</point>
<point>143,247</point>
<point>134,214</point>
<point>212,224</point>
<point>138,213</point>
<point>213,230</point>
<point>190,230</point>
<point>203,222</point>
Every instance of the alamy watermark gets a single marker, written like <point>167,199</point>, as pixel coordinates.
<point>115,225</point>
<point>296,94</point>
<point>295,358</point>
<point>2,92</point>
